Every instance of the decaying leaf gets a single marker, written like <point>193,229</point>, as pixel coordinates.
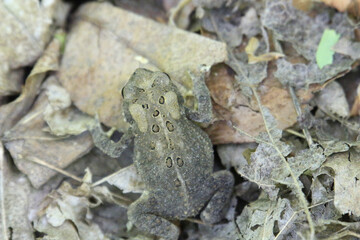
<point>287,24</point>
<point>118,42</point>
<point>14,200</point>
<point>233,27</point>
<point>346,47</point>
<point>346,173</point>
<point>68,215</point>
<point>28,142</point>
<point>332,98</point>
<point>263,219</point>
<point>266,168</point>
<point>10,113</point>
<point>26,25</point>
<point>62,118</point>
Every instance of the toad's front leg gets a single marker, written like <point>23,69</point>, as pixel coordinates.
<point>111,148</point>
<point>145,214</point>
<point>221,186</point>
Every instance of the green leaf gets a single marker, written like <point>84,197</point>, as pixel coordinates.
<point>324,53</point>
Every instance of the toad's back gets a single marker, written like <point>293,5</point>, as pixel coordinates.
<point>175,157</point>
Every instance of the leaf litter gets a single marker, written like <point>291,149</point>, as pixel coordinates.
<point>285,111</point>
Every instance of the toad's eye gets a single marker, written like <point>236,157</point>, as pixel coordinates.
<point>161,79</point>
<point>131,92</point>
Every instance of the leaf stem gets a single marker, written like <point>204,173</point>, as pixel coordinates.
<point>298,112</point>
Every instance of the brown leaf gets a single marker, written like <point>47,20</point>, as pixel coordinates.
<point>231,105</point>
<point>352,6</point>
<point>107,44</point>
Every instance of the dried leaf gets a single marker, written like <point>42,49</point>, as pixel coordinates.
<point>259,219</point>
<point>127,180</point>
<point>324,53</point>
<point>26,25</point>
<point>118,42</point>
<point>231,105</point>
<point>332,98</point>
<point>251,48</point>
<point>287,24</point>
<point>27,142</point>
<point>13,111</point>
<point>233,25</point>
<point>62,118</point>
<point>69,206</point>
<point>346,47</point>
<point>14,201</point>
<point>346,175</point>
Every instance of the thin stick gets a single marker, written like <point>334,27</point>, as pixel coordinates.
<point>59,170</point>
<point>2,193</point>
<point>299,113</point>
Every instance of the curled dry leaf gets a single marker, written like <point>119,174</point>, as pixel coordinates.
<point>28,142</point>
<point>251,48</point>
<point>107,44</point>
<point>68,215</point>
<point>127,180</point>
<point>62,118</point>
<point>26,25</point>
<point>14,202</point>
<point>332,98</point>
<point>346,173</point>
<point>262,217</point>
<point>10,113</point>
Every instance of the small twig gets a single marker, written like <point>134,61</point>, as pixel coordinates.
<point>2,193</point>
<point>59,170</point>
<point>106,178</point>
<point>299,113</point>
<point>293,132</point>
<point>197,221</point>
<point>65,173</point>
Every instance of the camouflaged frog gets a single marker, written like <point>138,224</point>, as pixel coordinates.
<point>173,156</point>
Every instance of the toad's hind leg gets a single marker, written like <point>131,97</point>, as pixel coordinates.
<point>145,214</point>
<point>222,183</point>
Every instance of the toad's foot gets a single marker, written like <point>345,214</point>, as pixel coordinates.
<point>222,182</point>
<point>143,214</point>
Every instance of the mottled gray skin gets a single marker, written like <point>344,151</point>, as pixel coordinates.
<point>173,156</point>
